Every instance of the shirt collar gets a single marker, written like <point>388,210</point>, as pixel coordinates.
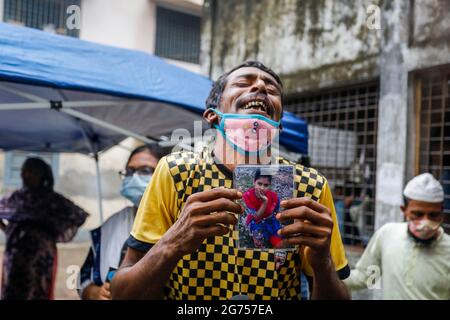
<point>221,167</point>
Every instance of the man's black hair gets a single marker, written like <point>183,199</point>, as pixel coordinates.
<point>215,95</point>
<point>155,149</point>
<point>39,167</point>
<point>259,175</point>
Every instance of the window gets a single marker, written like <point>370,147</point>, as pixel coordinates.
<point>48,15</point>
<point>342,145</point>
<point>433,147</point>
<point>14,161</point>
<point>177,35</point>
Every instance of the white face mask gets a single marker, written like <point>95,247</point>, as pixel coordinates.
<point>424,229</point>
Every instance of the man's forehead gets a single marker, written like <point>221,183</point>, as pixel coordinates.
<point>424,205</point>
<point>250,71</point>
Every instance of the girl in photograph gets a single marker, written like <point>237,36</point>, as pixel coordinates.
<point>262,205</point>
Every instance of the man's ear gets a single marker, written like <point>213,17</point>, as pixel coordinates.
<point>211,117</point>
<point>403,208</point>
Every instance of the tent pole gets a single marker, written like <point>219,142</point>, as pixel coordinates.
<point>99,188</point>
<point>112,127</point>
<point>94,150</point>
<point>107,125</point>
<point>47,104</point>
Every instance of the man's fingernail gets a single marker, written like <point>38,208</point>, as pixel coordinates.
<point>239,194</point>
<point>283,202</point>
<point>279,232</point>
<point>278,216</point>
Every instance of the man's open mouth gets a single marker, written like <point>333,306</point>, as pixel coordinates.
<point>258,105</point>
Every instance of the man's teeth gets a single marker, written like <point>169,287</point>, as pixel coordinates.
<point>256,105</point>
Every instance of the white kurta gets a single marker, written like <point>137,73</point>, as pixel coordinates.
<point>114,232</point>
<point>408,270</point>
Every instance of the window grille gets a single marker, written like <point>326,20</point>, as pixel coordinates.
<point>177,35</point>
<point>48,15</point>
<point>433,148</point>
<point>342,146</point>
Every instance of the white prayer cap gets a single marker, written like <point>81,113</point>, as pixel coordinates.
<point>424,188</point>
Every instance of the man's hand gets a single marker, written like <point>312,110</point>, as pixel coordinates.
<point>94,292</point>
<point>312,227</point>
<point>104,293</point>
<point>205,214</point>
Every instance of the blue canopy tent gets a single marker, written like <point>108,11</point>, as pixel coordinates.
<point>61,94</point>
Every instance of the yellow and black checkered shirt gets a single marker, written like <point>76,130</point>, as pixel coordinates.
<point>218,270</point>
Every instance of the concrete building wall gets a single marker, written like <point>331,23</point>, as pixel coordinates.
<point>310,43</point>
<point>416,35</point>
<point>130,24</point>
<point>126,24</point>
<point>428,34</point>
<point>1,11</point>
<point>315,44</point>
<point>392,114</point>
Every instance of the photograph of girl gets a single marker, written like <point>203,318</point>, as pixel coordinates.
<point>263,188</point>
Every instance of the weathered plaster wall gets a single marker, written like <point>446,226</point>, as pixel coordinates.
<point>431,24</point>
<point>429,34</point>
<point>392,114</point>
<point>320,43</point>
<point>311,43</point>
<point>416,35</point>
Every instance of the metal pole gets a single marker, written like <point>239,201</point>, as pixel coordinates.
<point>107,125</point>
<point>67,104</point>
<point>85,117</point>
<point>112,127</point>
<point>94,150</point>
<point>99,188</point>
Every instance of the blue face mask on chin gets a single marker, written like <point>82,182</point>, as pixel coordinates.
<point>133,187</point>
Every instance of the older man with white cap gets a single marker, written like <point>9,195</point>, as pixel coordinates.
<point>411,259</point>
